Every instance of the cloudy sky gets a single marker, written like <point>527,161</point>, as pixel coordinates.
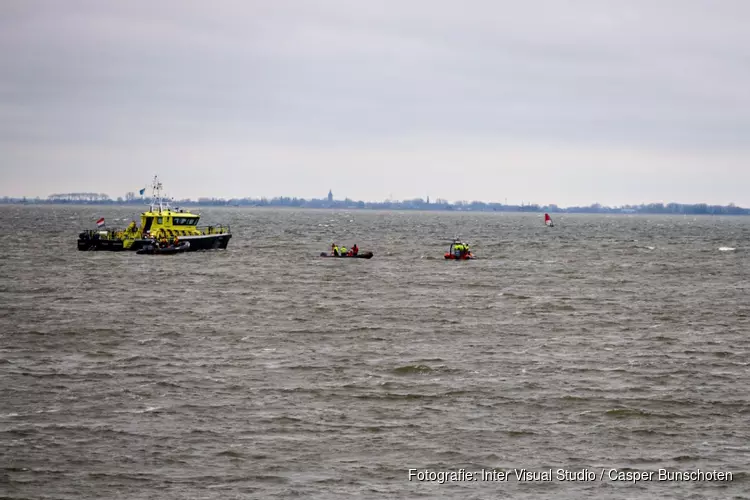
<point>567,102</point>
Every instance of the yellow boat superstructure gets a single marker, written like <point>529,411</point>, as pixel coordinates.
<point>167,225</point>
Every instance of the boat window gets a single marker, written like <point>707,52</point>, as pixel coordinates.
<point>160,220</point>
<point>185,221</point>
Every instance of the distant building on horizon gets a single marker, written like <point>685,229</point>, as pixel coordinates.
<point>330,196</point>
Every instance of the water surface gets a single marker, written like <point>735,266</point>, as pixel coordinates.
<point>263,371</point>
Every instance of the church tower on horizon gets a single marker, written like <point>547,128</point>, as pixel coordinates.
<point>330,196</point>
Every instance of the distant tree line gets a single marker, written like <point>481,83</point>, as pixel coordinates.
<point>78,197</point>
<point>414,204</point>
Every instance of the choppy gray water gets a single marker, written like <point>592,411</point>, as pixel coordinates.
<point>607,342</point>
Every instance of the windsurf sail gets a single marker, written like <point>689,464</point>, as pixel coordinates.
<point>548,220</point>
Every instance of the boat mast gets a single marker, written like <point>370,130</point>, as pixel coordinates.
<point>157,200</point>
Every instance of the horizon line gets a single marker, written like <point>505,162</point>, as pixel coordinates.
<point>105,198</point>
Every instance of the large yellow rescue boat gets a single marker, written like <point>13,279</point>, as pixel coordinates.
<point>161,224</point>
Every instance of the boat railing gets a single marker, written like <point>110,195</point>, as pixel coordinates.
<point>101,234</point>
<point>180,231</point>
<point>218,229</point>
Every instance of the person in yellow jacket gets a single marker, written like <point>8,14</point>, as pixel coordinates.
<point>458,249</point>
<point>334,250</point>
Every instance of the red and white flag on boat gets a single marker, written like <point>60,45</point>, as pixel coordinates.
<point>100,222</point>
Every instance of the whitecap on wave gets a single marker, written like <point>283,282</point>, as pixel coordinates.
<point>726,249</point>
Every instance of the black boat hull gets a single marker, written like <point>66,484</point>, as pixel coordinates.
<point>204,242</point>
<point>363,255</point>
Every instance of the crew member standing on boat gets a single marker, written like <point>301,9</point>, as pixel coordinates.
<point>334,250</point>
<point>355,250</point>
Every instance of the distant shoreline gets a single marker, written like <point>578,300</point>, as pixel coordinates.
<point>409,205</point>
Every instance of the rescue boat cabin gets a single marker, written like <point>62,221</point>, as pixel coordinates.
<point>169,223</point>
<point>161,221</point>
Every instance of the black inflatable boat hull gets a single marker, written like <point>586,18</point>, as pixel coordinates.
<point>363,255</point>
<point>171,250</point>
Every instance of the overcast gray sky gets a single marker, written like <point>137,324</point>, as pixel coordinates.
<point>567,102</point>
